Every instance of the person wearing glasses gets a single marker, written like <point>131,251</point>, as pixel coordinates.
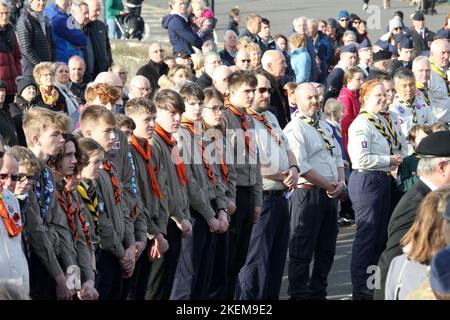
<point>155,67</point>
<point>260,277</point>
<point>13,263</point>
<point>343,19</point>
<point>242,60</point>
<point>140,88</point>
<point>9,172</point>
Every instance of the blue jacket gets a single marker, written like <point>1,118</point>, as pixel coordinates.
<point>67,36</point>
<point>181,35</point>
<point>301,63</point>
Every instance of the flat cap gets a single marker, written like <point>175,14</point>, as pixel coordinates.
<point>381,55</point>
<point>398,14</point>
<point>418,16</point>
<point>349,48</point>
<point>436,145</point>
<point>440,271</point>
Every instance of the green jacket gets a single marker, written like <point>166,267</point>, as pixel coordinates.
<point>113,8</point>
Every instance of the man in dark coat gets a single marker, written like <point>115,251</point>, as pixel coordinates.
<point>34,36</point>
<point>435,153</point>
<point>98,50</point>
<point>212,61</point>
<point>156,67</point>
<point>420,35</point>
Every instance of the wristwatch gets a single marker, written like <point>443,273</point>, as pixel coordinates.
<point>343,182</point>
<point>296,167</point>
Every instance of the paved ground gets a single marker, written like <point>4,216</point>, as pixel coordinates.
<point>282,12</point>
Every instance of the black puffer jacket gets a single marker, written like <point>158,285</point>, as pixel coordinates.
<point>17,110</point>
<point>35,46</point>
<point>10,56</point>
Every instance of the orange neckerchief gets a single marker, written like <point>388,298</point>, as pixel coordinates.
<point>181,168</point>
<point>265,122</point>
<point>219,151</point>
<point>189,124</point>
<point>146,154</point>
<point>12,224</point>
<point>241,116</point>
<point>115,183</point>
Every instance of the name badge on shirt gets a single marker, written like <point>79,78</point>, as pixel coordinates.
<point>101,206</point>
<point>116,145</point>
<point>364,144</point>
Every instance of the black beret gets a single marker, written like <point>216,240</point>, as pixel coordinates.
<point>440,272</point>
<point>418,16</point>
<point>398,14</point>
<point>349,48</point>
<point>406,43</point>
<point>365,44</point>
<point>2,84</point>
<point>436,145</point>
<point>381,55</point>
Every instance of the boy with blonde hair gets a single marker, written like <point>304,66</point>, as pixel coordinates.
<point>46,228</point>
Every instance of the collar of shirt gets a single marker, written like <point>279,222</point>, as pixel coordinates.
<point>430,185</point>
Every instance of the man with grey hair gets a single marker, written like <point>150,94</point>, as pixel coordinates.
<point>230,48</point>
<point>439,85</point>
<point>407,108</point>
<point>300,26</point>
<point>434,172</point>
<point>155,67</point>
<point>220,78</point>
<point>139,88</point>
<point>212,61</point>
<point>422,71</point>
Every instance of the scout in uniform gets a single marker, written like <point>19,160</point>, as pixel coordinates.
<point>175,202</point>
<point>371,153</point>
<point>143,112</point>
<point>207,201</point>
<point>213,126</point>
<point>242,151</point>
<point>46,227</point>
<point>313,204</point>
<point>260,277</point>
<point>64,166</point>
<point>409,110</point>
<point>98,123</point>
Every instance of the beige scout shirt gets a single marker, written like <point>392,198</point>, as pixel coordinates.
<point>176,202</point>
<point>273,156</point>
<point>367,147</point>
<point>309,148</point>
<point>248,169</point>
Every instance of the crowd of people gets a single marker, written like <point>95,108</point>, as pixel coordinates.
<point>211,169</point>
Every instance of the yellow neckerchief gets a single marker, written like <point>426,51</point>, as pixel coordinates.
<point>424,90</point>
<point>315,123</point>
<point>379,126</point>
<point>441,73</point>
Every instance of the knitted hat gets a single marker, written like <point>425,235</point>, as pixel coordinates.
<point>23,82</point>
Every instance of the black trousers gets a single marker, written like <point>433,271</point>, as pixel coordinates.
<point>313,235</point>
<point>220,258</point>
<point>108,280</point>
<point>135,287</point>
<point>162,271</point>
<point>42,285</point>
<point>194,268</point>
<point>260,277</point>
<point>239,236</point>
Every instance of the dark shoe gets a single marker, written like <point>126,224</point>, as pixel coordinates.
<point>363,295</point>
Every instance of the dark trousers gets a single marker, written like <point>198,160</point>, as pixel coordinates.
<point>239,235</point>
<point>135,287</point>
<point>220,256</point>
<point>370,193</point>
<point>162,271</point>
<point>42,285</point>
<point>194,266</point>
<point>260,277</point>
<point>108,280</point>
<point>313,235</point>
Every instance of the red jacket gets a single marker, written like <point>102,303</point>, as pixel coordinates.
<point>350,100</point>
<point>10,67</point>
